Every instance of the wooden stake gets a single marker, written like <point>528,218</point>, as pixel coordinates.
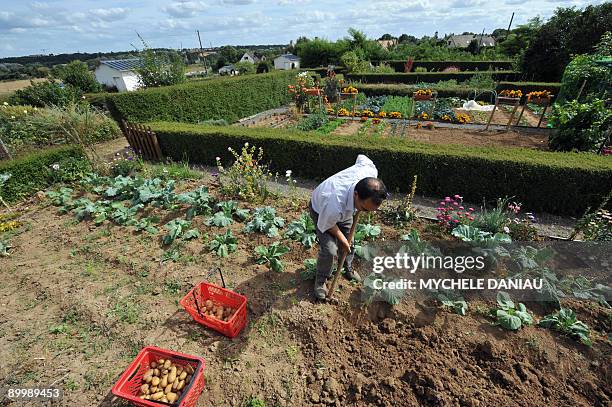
<point>343,258</point>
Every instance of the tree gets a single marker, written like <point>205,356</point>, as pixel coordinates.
<point>518,40</point>
<point>77,75</point>
<point>229,54</point>
<point>386,37</point>
<point>160,69</point>
<point>245,67</point>
<point>569,31</point>
<point>473,47</point>
<point>405,38</point>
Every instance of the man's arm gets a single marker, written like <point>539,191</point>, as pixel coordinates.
<point>343,242</point>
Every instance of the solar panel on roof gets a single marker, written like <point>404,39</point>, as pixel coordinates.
<point>123,64</point>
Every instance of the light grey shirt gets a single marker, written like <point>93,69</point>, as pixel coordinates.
<point>333,198</point>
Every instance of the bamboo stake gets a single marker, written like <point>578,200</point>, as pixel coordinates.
<point>343,258</point>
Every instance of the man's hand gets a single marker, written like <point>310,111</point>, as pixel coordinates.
<point>343,243</point>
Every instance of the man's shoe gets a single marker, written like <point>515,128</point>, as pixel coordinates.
<point>320,289</point>
<point>352,275</point>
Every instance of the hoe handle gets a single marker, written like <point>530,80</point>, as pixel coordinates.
<point>343,258</point>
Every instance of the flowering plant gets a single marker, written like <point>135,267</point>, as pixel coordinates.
<point>423,92</point>
<point>367,113</point>
<point>539,95</point>
<point>451,212</point>
<point>511,93</point>
<point>462,118</point>
<point>382,114</point>
<point>395,115</point>
<point>375,121</point>
<point>302,82</point>
<point>247,178</point>
<point>343,112</point>
<point>423,116</point>
<point>350,89</point>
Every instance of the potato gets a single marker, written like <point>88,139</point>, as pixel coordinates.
<point>208,303</point>
<point>175,384</point>
<point>153,389</point>
<point>190,369</point>
<point>182,376</point>
<point>147,378</point>
<point>167,364</point>
<point>188,378</point>
<point>144,388</point>
<point>164,381</point>
<point>155,372</point>
<point>161,361</point>
<point>164,399</point>
<point>155,381</point>
<point>181,385</point>
<point>172,375</point>
<point>179,370</point>
<point>168,388</point>
<point>172,397</point>
<point>153,365</point>
<point>157,395</point>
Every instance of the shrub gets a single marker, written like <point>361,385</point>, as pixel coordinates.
<point>160,69</point>
<point>77,75</point>
<point>530,176</point>
<point>43,94</point>
<point>229,98</point>
<point>313,121</point>
<point>461,65</point>
<point>24,128</point>
<point>245,67</point>
<point>40,170</point>
<point>583,68</point>
<point>580,126</point>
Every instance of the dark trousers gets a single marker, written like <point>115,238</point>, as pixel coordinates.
<point>328,247</point>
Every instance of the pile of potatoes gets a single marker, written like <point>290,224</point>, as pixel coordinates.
<point>217,311</point>
<point>165,381</point>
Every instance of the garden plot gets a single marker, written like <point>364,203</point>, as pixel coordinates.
<point>88,285</point>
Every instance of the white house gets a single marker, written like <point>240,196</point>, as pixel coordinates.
<point>287,61</point>
<point>119,73</point>
<point>252,58</point>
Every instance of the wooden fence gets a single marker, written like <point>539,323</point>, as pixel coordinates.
<point>143,140</point>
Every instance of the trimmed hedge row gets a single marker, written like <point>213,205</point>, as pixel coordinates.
<point>230,98</point>
<point>462,65</point>
<point>560,183</point>
<point>33,172</point>
<point>380,89</point>
<point>415,77</point>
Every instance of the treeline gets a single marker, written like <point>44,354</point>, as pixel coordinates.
<point>540,50</point>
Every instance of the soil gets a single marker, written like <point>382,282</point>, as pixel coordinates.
<point>79,301</point>
<point>276,121</point>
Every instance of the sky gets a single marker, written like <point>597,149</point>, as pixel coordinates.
<point>65,26</point>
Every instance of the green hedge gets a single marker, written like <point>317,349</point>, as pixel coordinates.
<point>415,77</point>
<point>560,183</point>
<point>380,89</point>
<point>33,172</point>
<point>230,98</point>
<point>462,65</point>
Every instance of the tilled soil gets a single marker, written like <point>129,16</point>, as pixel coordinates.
<point>79,301</point>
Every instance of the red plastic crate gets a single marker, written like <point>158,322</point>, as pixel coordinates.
<point>221,296</point>
<point>128,385</point>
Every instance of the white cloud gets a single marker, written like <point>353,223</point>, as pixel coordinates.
<point>109,14</point>
<point>237,2</point>
<point>184,8</point>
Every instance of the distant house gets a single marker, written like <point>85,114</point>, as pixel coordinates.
<point>252,58</point>
<point>463,41</point>
<point>228,70</point>
<point>119,73</point>
<point>387,43</point>
<point>287,61</point>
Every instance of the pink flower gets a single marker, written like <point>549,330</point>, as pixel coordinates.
<point>447,199</point>
<point>459,213</point>
<point>442,203</point>
<point>456,220</point>
<point>471,209</point>
<point>461,207</point>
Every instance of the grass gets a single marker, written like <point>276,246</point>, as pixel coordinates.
<point>179,171</point>
<point>125,310</point>
<point>330,126</point>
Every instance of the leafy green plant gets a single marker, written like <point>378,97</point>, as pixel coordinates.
<point>372,291</point>
<point>310,270</point>
<point>86,209</point>
<point>200,201</point>
<point>415,245</point>
<point>580,126</point>
<point>509,316</point>
<point>60,197</point>
<point>313,121</point>
<point>122,215</point>
<point>146,224</point>
<point>271,255</point>
<point>178,228</point>
<point>566,322</point>
<point>265,221</point>
<point>493,220</point>
<point>224,244</point>
<point>453,301</point>
<point>474,235</point>
<point>255,402</point>
<point>226,212</point>
<point>302,230</point>
<point>402,212</point>
<point>364,232</point>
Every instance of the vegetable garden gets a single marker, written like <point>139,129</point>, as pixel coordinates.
<point>189,281</point>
